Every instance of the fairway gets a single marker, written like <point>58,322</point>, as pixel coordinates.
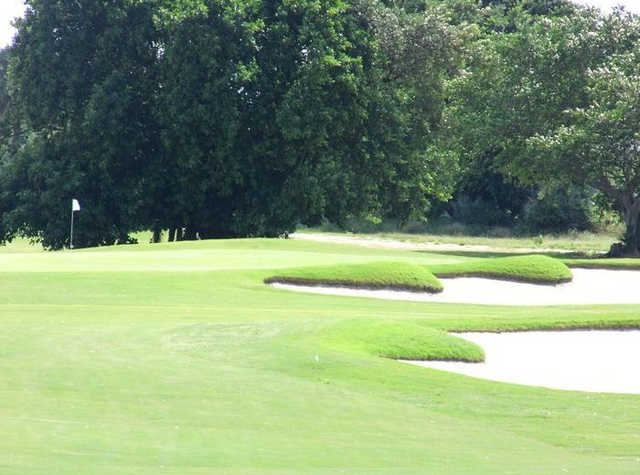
<point>176,358</point>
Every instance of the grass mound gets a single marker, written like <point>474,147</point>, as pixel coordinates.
<point>536,269</point>
<point>374,275</point>
<point>400,340</point>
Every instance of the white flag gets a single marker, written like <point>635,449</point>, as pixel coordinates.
<point>75,206</point>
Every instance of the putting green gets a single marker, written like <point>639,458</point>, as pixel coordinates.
<point>178,359</point>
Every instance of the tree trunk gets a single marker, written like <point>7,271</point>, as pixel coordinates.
<point>157,234</point>
<point>189,234</point>
<point>172,234</point>
<point>632,222</point>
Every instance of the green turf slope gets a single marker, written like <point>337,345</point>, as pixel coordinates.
<point>625,263</point>
<point>177,359</point>
<point>535,268</point>
<point>399,340</point>
<point>374,275</point>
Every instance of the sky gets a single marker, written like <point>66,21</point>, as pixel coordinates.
<point>9,9</point>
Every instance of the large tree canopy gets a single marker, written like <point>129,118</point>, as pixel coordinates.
<point>224,117</point>
<point>83,83</point>
<point>537,97</point>
<point>299,111</point>
<point>600,143</point>
<point>220,118</point>
<point>482,182</point>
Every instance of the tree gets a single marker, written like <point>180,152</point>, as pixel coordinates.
<point>4,91</point>
<point>81,82</point>
<point>220,118</point>
<point>273,110</point>
<point>522,85</point>
<point>600,143</point>
<point>485,194</point>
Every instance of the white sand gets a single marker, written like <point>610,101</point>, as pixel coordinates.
<point>589,286</point>
<point>595,361</point>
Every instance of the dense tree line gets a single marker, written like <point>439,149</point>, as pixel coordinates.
<point>221,118</point>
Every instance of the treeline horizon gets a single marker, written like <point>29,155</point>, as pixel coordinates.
<point>241,118</point>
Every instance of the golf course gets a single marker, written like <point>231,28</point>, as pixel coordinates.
<point>291,237</point>
<point>177,358</point>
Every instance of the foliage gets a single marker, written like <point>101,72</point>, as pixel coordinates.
<point>485,196</point>
<point>88,123</point>
<point>4,91</point>
<point>560,210</point>
<point>219,118</point>
<point>599,144</point>
<point>223,118</point>
<point>532,94</point>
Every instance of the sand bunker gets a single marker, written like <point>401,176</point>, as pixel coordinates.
<point>589,286</point>
<point>595,361</point>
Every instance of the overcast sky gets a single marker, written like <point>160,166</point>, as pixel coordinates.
<point>12,8</point>
<point>9,9</point>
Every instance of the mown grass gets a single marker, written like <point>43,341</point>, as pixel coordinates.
<point>613,263</point>
<point>375,275</point>
<point>398,340</point>
<point>20,246</point>
<point>532,268</point>
<point>177,359</point>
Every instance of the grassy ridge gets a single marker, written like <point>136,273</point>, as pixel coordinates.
<point>374,275</point>
<point>535,268</point>
<point>610,263</point>
<point>399,340</point>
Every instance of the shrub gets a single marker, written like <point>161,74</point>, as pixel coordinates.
<point>560,210</point>
<point>480,212</point>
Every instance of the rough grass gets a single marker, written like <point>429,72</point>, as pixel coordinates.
<point>375,275</point>
<point>579,242</point>
<point>399,340</point>
<point>535,268</point>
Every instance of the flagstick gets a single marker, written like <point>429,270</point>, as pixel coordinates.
<point>71,239</point>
